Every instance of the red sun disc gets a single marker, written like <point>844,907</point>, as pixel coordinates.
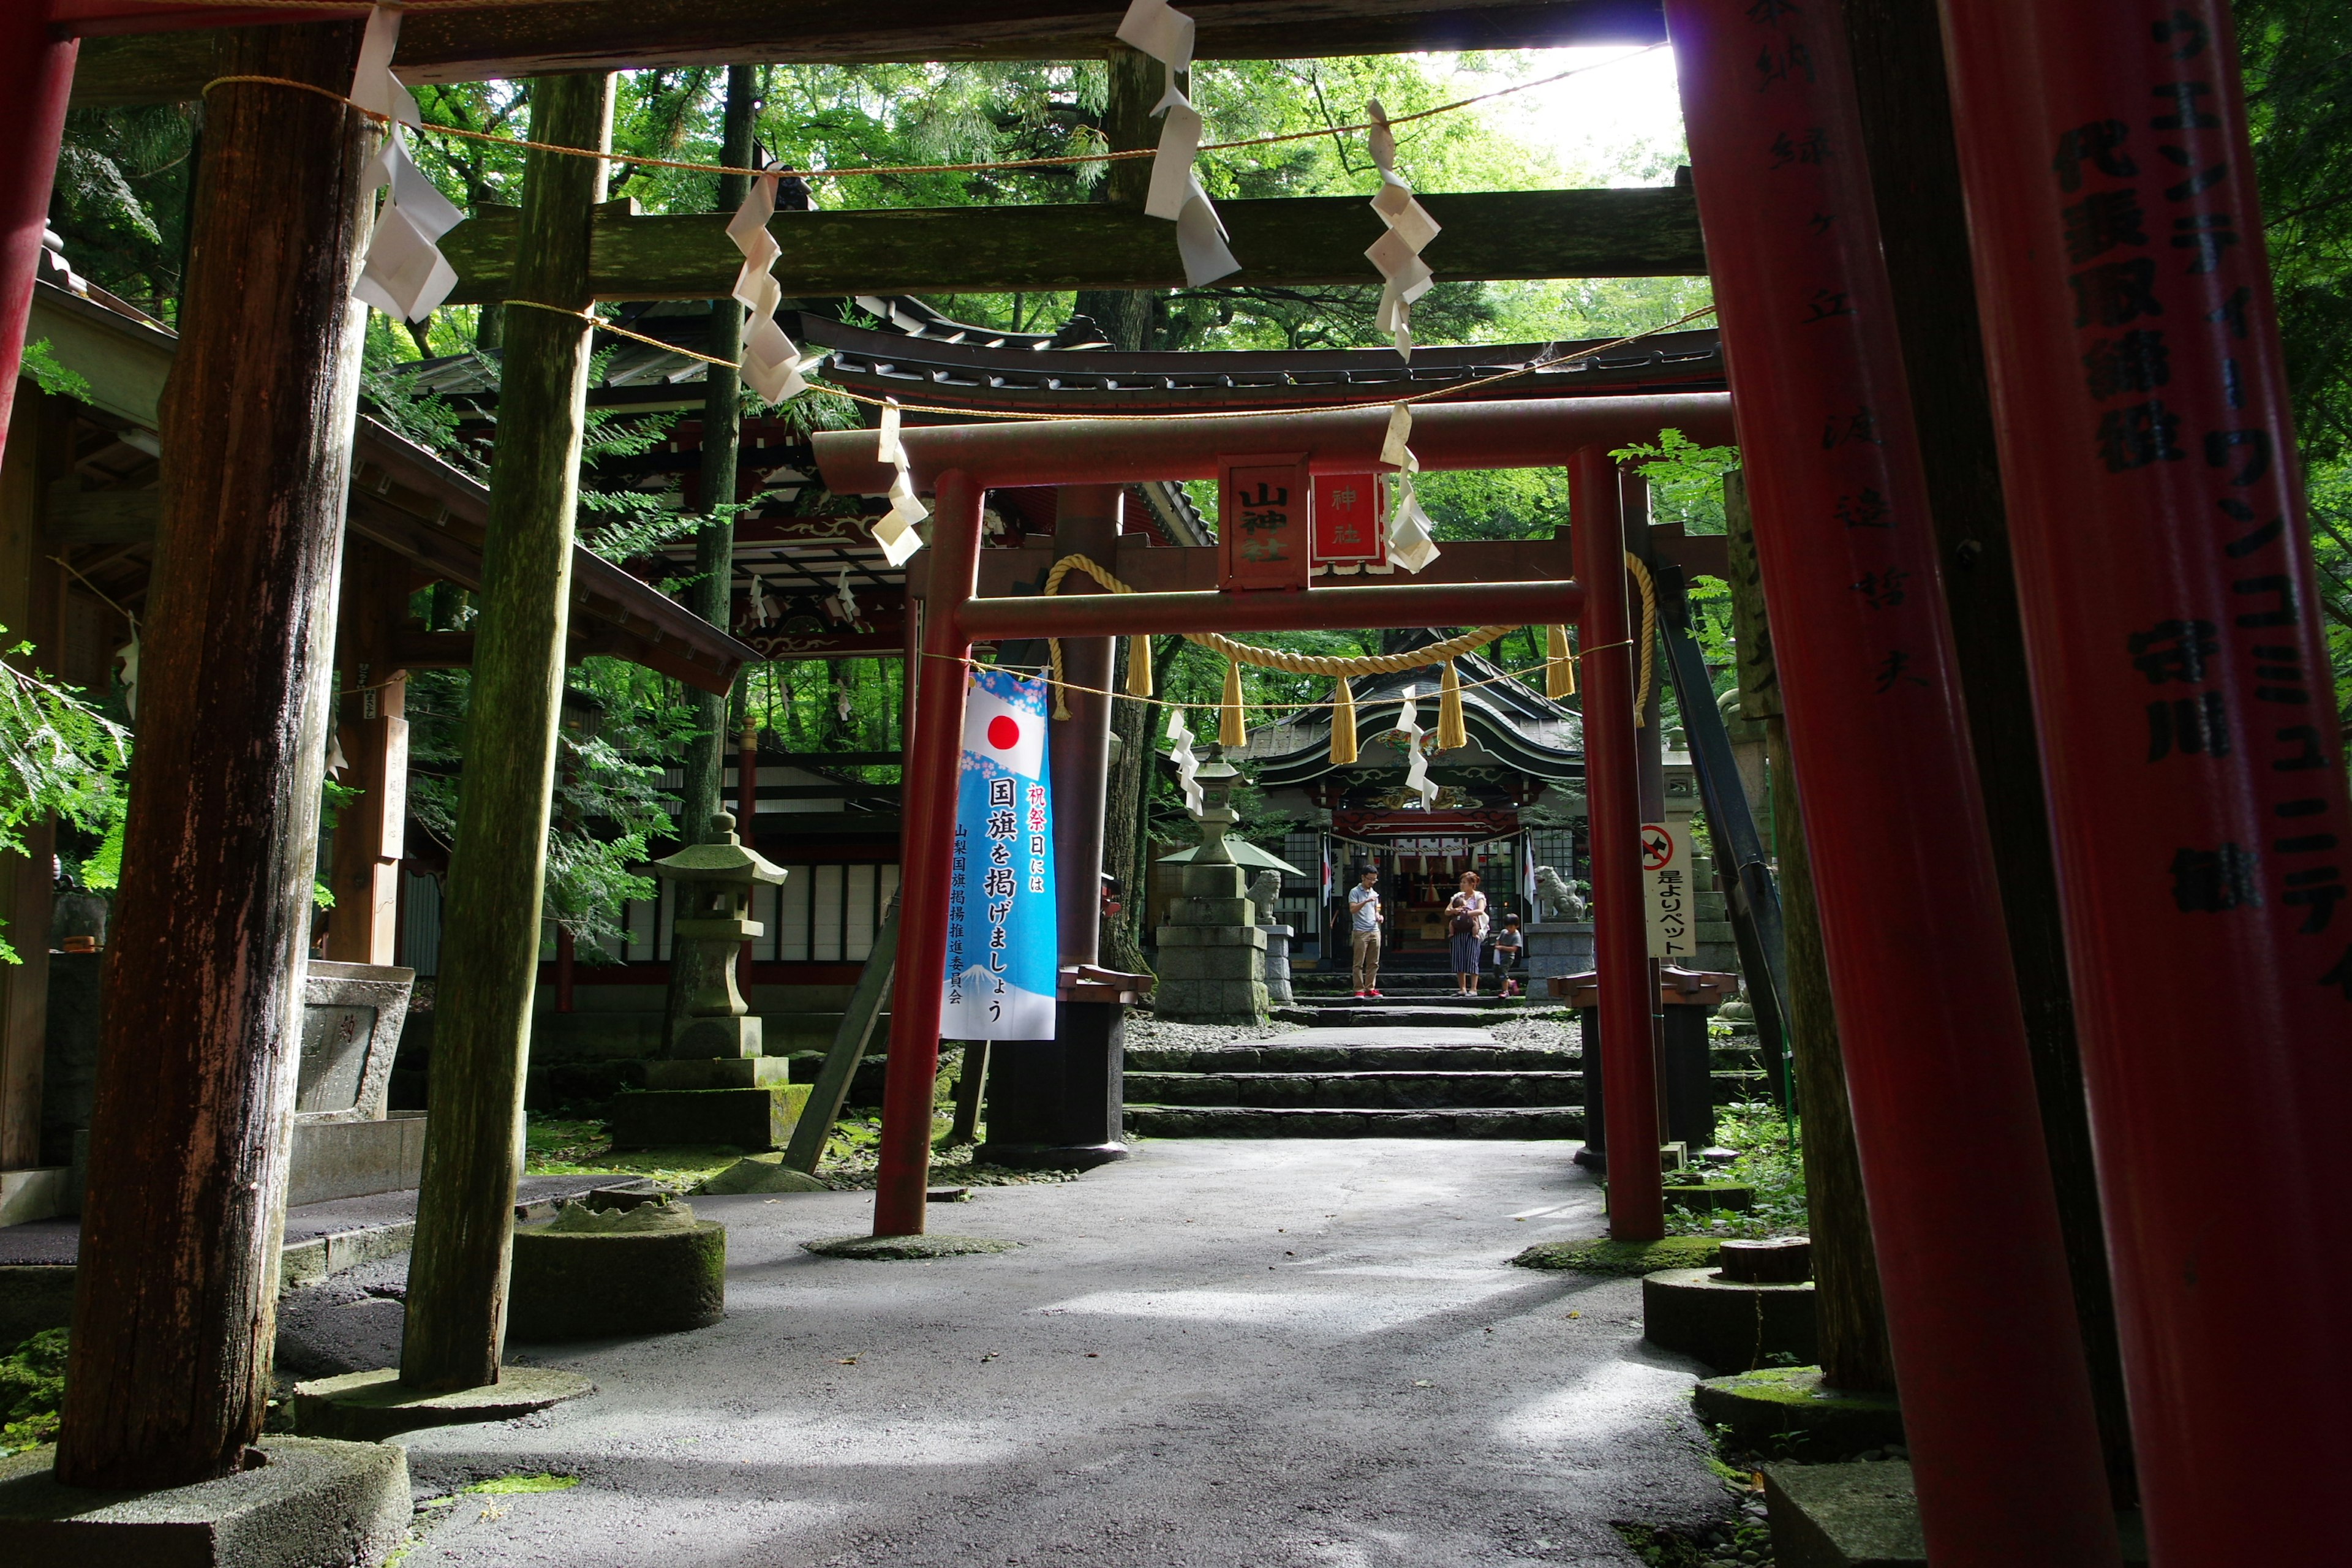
<point>1003,733</point>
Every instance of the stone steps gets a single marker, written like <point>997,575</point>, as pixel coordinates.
<point>1260,1121</point>
<point>1304,1056</point>
<point>1453,1090</point>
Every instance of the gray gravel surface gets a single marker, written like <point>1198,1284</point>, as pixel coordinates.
<point>1278,1354</point>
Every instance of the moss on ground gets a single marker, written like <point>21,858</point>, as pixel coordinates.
<point>509,1486</point>
<point>1605,1257</point>
<point>32,1390</point>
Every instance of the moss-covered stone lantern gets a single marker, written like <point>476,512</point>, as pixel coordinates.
<point>713,919</point>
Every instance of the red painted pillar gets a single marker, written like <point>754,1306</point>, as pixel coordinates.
<point>1621,925</point>
<point>2188,735</point>
<point>35,77</point>
<point>925,835</point>
<point>2007,1461</point>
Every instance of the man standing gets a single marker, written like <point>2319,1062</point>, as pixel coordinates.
<point>1364,911</point>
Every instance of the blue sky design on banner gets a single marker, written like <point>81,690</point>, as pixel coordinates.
<point>1004,940</point>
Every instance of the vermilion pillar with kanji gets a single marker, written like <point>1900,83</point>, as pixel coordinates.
<point>2189,735</point>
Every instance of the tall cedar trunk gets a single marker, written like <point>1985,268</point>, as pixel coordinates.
<point>1130,720</point>
<point>1900,85</point>
<point>490,923</point>
<point>711,596</point>
<point>174,1310</point>
<point>1125,314</point>
<point>1850,1306</point>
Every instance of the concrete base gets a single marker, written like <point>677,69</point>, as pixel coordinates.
<point>589,1285</point>
<point>754,1119</point>
<point>717,1072</point>
<point>1865,1516</point>
<point>1708,1198</point>
<point>373,1406</point>
<point>1789,1403</point>
<point>310,1505</point>
<point>38,1192</point>
<point>1728,1325</point>
<point>354,1159</point>
<point>1049,1156</point>
<point>34,1297</point>
<point>697,1038</point>
<point>905,1248</point>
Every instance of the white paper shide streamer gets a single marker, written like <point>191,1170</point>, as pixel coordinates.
<point>896,532</point>
<point>1188,765</point>
<point>771,361</point>
<point>1405,277</point>
<point>1416,768</point>
<point>1166,35</point>
<point>1412,542</point>
<point>405,274</point>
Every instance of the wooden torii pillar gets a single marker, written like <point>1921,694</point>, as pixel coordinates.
<point>175,1301</point>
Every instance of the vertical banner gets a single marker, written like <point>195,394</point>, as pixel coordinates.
<point>1003,942</point>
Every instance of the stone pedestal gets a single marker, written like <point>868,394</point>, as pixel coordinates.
<point>1211,951</point>
<point>1277,964</point>
<point>1718,949</point>
<point>1559,947</point>
<point>1057,1104</point>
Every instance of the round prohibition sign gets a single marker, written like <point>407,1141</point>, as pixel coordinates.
<point>1657,848</point>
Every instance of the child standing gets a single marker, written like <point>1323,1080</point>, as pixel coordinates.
<point>1509,947</point>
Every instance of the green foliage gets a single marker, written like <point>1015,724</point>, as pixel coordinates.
<point>1685,480</point>
<point>1744,1540</point>
<point>121,202</point>
<point>41,364</point>
<point>59,756</point>
<point>518,1485</point>
<point>1772,1161</point>
<point>32,1392</point>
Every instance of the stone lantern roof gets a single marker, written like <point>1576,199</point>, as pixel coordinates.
<point>724,862</point>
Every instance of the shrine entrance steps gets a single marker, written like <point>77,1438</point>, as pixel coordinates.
<point>1357,1082</point>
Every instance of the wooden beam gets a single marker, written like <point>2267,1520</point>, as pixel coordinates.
<point>490,933</point>
<point>1645,232</point>
<point>174,1307</point>
<point>614,35</point>
<point>371,723</point>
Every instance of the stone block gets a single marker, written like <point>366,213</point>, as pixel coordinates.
<point>1214,912</point>
<point>1236,938</point>
<point>762,1174</point>
<point>1789,1403</point>
<point>1729,1325</point>
<point>1188,963</point>
<point>751,1118</point>
<point>595,1285</point>
<point>309,1504</point>
<point>697,1038</point>
<point>334,1160</point>
<point>1866,1516</point>
<point>38,1192</point>
<point>1215,881</point>
<point>718,1072</point>
<point>371,1406</point>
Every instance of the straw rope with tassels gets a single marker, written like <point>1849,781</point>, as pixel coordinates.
<point>1232,727</point>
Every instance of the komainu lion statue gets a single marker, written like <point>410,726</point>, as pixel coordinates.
<point>1555,898</point>
<point>1263,892</point>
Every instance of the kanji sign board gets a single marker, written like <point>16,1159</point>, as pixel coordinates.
<point>1666,879</point>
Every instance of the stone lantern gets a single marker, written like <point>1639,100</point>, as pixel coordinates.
<point>1212,951</point>
<point>713,919</point>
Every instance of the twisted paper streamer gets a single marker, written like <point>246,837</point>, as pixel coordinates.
<point>1405,277</point>
<point>844,600</point>
<point>895,531</point>
<point>405,274</point>
<point>1416,769</point>
<point>1166,35</point>
<point>771,362</point>
<point>1413,543</point>
<point>1188,765</point>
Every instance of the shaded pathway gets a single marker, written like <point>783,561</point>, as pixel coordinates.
<point>1218,1354</point>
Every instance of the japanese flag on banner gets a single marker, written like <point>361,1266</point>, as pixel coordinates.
<point>1003,963</point>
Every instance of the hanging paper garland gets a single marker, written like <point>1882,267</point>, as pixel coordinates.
<point>845,601</point>
<point>1412,542</point>
<point>1188,765</point>
<point>1416,772</point>
<point>1406,276</point>
<point>1166,35</point>
<point>405,274</point>
<point>771,361</point>
<point>895,531</point>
